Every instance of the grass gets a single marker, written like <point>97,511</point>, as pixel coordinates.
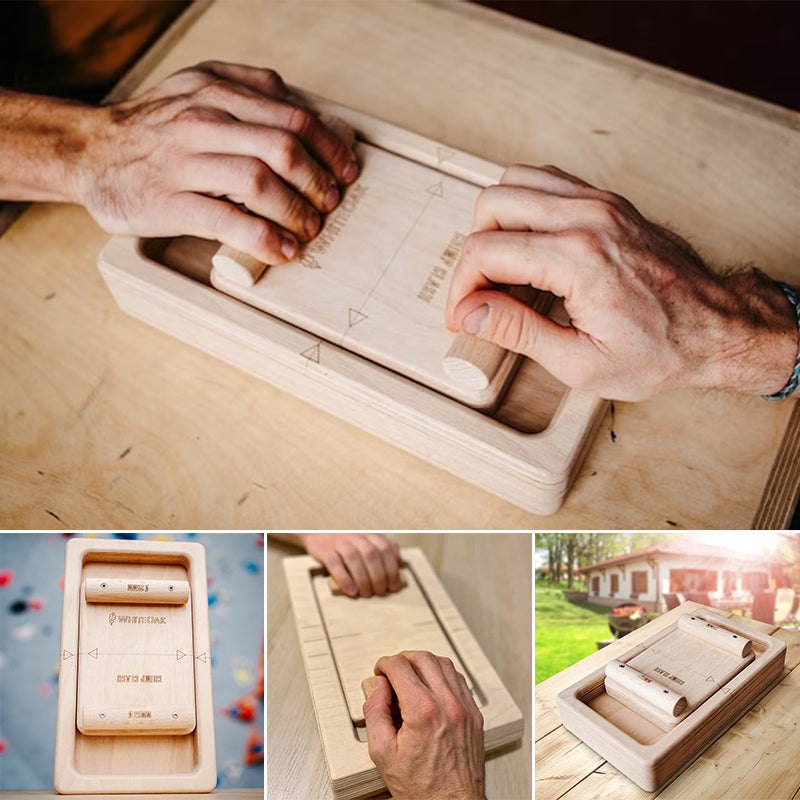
<point>565,632</point>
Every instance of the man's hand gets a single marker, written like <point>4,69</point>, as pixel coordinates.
<point>361,563</point>
<point>647,315</point>
<point>437,751</point>
<point>218,150</point>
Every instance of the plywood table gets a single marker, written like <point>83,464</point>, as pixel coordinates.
<point>107,423</point>
<point>756,759</point>
<point>222,794</point>
<point>488,577</point>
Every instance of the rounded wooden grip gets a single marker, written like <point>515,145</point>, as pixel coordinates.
<point>726,640</point>
<point>236,266</point>
<point>473,362</point>
<point>136,590</point>
<point>644,688</point>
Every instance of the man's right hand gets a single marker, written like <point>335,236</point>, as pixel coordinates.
<point>437,751</point>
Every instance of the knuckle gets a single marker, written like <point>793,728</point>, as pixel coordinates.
<point>289,150</point>
<point>454,710</point>
<point>300,121</point>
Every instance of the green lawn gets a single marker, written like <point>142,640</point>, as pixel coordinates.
<point>565,632</point>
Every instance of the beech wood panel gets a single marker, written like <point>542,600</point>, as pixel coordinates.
<point>499,618</point>
<point>146,748</point>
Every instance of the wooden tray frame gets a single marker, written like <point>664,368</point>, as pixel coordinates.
<point>532,470</point>
<point>69,777</point>
<point>352,773</point>
<point>651,766</point>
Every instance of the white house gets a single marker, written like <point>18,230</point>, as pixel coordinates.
<point>677,566</point>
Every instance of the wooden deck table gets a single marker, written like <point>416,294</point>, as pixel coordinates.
<point>756,759</point>
<point>107,423</point>
<point>488,577</point>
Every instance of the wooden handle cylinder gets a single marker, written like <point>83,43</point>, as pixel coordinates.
<point>105,720</point>
<point>369,685</point>
<point>473,362</point>
<point>337,590</point>
<point>236,266</point>
<point>629,681</point>
<point>719,637</point>
<point>136,590</point>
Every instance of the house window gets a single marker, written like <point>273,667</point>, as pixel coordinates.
<point>614,585</point>
<point>692,580</point>
<point>638,583</point>
<point>754,581</point>
<point>596,585</point>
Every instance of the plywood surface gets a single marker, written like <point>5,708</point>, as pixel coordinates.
<point>141,413</point>
<point>296,766</point>
<point>752,760</point>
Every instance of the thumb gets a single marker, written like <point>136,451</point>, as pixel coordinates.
<point>499,318</point>
<point>381,733</point>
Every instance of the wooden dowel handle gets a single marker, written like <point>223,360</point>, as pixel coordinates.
<point>473,362</point>
<point>730,642</point>
<point>337,590</point>
<point>369,685</point>
<point>238,267</point>
<point>644,688</point>
<point>136,590</point>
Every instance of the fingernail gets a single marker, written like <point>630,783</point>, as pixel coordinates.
<point>289,247</point>
<point>331,199</point>
<point>350,172</point>
<point>350,588</point>
<point>475,320</point>
<point>312,224</point>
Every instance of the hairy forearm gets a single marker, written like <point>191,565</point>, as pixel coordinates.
<point>44,146</point>
<point>754,346</point>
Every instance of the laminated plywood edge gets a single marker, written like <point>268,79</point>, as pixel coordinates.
<point>351,771</point>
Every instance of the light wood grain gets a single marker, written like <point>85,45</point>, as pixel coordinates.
<point>85,384</point>
<point>122,735</point>
<point>296,766</point>
<point>579,776</point>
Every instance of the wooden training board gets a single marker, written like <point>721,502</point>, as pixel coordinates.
<point>375,279</point>
<point>135,711</point>
<point>419,616</point>
<point>651,712</point>
<point>381,297</point>
<point>361,630</point>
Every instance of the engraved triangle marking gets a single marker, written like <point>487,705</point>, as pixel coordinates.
<point>180,654</point>
<point>66,654</point>
<point>437,190</point>
<point>202,657</point>
<point>443,154</point>
<point>312,353</point>
<point>355,316</point>
<point>93,653</point>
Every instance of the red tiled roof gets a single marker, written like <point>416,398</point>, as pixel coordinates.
<point>686,547</point>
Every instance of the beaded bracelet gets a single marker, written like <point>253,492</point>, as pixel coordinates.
<point>794,378</point>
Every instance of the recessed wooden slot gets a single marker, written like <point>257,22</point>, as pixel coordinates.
<point>653,710</point>
<point>362,629</point>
